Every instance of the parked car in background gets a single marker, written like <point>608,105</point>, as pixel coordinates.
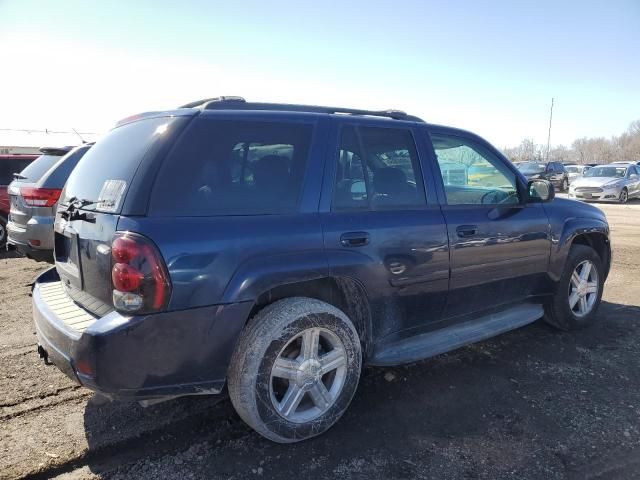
<point>615,182</point>
<point>9,164</point>
<point>34,196</point>
<point>189,255</point>
<point>575,171</point>
<point>551,171</point>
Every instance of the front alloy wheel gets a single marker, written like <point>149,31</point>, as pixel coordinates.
<point>624,196</point>
<point>577,296</point>
<point>583,289</point>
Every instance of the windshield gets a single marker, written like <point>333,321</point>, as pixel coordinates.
<point>573,168</point>
<point>531,167</point>
<point>617,172</point>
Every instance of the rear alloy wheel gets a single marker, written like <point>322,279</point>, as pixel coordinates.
<point>579,290</point>
<point>565,185</point>
<point>295,369</point>
<point>624,196</point>
<point>3,232</point>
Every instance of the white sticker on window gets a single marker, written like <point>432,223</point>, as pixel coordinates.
<point>111,195</point>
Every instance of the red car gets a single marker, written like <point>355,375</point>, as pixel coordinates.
<point>9,164</point>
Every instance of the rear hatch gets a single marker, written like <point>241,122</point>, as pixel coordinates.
<point>112,179</point>
<point>24,197</point>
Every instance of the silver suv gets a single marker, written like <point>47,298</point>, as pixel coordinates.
<point>33,197</point>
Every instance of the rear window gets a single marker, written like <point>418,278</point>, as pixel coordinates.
<point>103,175</point>
<point>10,166</point>
<point>39,167</point>
<point>223,167</point>
<point>58,174</point>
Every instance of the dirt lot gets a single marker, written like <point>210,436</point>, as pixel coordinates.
<point>533,403</point>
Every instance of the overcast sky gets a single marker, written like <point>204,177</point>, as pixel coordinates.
<point>487,66</point>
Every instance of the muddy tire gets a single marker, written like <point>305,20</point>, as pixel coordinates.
<point>295,369</point>
<point>579,291</point>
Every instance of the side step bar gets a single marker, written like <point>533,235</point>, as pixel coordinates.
<point>440,341</point>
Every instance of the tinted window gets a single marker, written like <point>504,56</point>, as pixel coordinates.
<point>39,167</point>
<point>223,167</point>
<point>377,168</point>
<point>58,174</point>
<point>472,174</point>
<point>10,166</point>
<point>113,160</point>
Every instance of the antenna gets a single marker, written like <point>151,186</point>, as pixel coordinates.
<point>549,135</point>
<point>76,132</point>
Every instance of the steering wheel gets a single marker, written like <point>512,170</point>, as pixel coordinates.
<point>492,197</point>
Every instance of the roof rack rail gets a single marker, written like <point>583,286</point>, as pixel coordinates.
<point>239,103</point>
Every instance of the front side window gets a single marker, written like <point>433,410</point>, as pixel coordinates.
<point>471,174</point>
<point>223,167</point>
<point>378,168</point>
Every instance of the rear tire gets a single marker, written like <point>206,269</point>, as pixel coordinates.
<point>3,232</point>
<point>579,291</point>
<point>295,369</point>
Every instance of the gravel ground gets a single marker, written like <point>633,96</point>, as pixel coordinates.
<point>532,403</point>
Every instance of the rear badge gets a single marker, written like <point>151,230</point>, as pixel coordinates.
<point>111,195</point>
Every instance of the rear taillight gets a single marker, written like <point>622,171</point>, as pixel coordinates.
<point>40,197</point>
<point>139,276</point>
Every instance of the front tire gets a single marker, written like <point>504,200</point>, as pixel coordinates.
<point>565,185</point>
<point>295,369</point>
<point>579,291</point>
<point>624,196</point>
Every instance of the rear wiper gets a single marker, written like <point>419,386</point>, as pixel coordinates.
<point>72,213</point>
<point>17,176</point>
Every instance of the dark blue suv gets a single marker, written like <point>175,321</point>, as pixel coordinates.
<point>278,248</point>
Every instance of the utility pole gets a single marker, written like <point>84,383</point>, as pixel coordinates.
<point>549,135</point>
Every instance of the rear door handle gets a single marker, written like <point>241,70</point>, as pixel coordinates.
<point>354,239</point>
<point>464,231</point>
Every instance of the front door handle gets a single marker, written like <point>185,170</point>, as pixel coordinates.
<point>464,231</point>
<point>354,239</point>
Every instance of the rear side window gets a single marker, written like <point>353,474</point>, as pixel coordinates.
<point>378,168</point>
<point>39,167</point>
<point>223,167</point>
<point>104,174</point>
<point>10,166</point>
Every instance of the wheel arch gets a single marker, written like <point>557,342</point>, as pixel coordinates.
<point>589,232</point>
<point>344,293</point>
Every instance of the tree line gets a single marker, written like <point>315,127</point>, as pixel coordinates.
<point>625,147</point>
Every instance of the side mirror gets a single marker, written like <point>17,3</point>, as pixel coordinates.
<point>540,191</point>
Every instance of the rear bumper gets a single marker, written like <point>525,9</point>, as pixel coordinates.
<point>37,228</point>
<point>140,357</point>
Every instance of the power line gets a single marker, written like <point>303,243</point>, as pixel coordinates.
<point>47,131</point>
